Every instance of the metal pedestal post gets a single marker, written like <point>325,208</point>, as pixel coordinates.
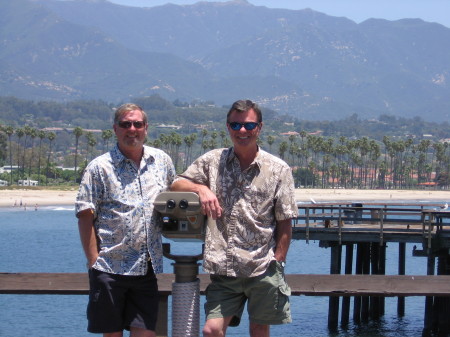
<point>185,294</point>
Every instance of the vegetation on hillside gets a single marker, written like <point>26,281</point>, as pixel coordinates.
<point>52,142</point>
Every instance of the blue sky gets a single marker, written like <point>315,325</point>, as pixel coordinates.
<point>356,10</point>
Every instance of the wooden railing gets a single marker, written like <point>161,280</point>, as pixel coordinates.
<point>301,284</point>
<point>372,222</point>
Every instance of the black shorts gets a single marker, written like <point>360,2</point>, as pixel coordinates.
<point>118,302</point>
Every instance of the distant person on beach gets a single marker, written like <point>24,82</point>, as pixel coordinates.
<point>250,194</point>
<point>118,231</point>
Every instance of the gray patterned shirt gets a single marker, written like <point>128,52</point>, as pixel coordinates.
<point>121,196</point>
<point>241,243</point>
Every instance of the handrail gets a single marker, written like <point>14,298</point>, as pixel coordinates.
<point>384,218</point>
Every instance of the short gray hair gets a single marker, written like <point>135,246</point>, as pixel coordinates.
<point>121,110</point>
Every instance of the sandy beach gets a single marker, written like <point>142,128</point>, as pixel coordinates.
<point>32,197</point>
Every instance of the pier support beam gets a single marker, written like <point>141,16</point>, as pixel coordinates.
<point>401,271</point>
<point>348,270</point>
<point>357,299</point>
<point>366,271</point>
<point>428,317</point>
<point>442,304</point>
<point>333,305</point>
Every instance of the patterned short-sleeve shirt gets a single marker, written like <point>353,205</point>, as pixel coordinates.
<point>241,243</point>
<point>121,195</point>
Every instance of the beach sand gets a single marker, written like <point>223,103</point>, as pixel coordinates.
<point>32,197</point>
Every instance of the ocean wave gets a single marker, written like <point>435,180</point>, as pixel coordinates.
<point>57,208</point>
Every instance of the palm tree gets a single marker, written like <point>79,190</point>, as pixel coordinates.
<point>51,137</point>
<point>91,142</point>
<point>27,132</point>
<point>77,132</point>
<point>212,144</point>
<point>41,134</point>
<point>189,142</point>
<point>204,133</point>
<point>106,136</point>
<point>282,149</point>
<point>374,155</point>
<point>33,135</point>
<point>205,145</point>
<point>223,137</point>
<point>9,130</point>
<point>175,140</point>
<point>19,133</point>
<point>422,147</point>
<point>270,141</point>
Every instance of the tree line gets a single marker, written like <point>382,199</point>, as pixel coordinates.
<point>317,160</point>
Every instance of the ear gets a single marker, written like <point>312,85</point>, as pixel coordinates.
<point>260,127</point>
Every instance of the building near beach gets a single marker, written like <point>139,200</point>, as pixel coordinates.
<point>27,182</point>
<point>8,168</point>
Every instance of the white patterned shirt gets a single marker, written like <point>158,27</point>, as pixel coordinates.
<point>121,195</point>
<point>242,242</point>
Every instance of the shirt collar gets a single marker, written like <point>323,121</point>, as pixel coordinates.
<point>118,157</point>
<point>257,161</point>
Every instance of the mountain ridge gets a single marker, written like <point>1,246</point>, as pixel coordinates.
<point>298,62</point>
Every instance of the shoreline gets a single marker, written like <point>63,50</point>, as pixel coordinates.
<point>31,198</point>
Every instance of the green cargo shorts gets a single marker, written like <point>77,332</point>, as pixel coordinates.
<point>267,296</point>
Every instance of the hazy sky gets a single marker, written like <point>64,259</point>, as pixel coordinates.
<point>356,10</point>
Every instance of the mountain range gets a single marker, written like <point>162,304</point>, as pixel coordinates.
<point>298,62</point>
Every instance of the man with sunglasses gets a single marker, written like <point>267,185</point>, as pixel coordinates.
<point>250,194</point>
<point>118,231</point>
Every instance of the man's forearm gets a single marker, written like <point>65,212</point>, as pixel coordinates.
<point>283,239</point>
<point>185,185</point>
<point>87,236</point>
<point>210,204</point>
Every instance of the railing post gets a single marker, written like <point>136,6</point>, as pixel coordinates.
<point>163,317</point>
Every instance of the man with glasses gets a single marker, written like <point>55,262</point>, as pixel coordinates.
<point>118,231</point>
<point>250,195</point>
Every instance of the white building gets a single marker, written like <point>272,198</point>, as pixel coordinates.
<point>8,168</point>
<point>27,182</point>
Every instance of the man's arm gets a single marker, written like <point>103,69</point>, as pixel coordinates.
<point>210,204</point>
<point>88,236</point>
<point>283,239</point>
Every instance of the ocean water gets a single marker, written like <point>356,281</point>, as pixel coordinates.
<point>47,240</point>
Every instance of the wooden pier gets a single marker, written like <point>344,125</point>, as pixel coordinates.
<point>369,227</point>
<point>377,286</point>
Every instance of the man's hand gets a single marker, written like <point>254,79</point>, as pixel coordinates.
<point>210,204</point>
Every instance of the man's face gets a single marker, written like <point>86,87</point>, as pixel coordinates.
<point>243,138</point>
<point>132,137</point>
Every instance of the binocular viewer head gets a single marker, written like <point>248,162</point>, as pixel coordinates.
<point>181,215</point>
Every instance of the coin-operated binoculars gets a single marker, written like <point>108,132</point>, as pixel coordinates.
<point>181,219</point>
<point>181,216</point>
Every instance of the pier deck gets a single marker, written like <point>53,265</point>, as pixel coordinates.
<point>373,222</point>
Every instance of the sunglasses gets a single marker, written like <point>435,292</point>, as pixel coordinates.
<point>248,126</point>
<point>127,124</point>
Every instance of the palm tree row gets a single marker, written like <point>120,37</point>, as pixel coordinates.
<point>317,161</point>
<point>24,163</point>
<point>36,160</point>
<point>366,163</point>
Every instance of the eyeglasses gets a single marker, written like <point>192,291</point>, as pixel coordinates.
<point>248,126</point>
<point>127,124</point>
